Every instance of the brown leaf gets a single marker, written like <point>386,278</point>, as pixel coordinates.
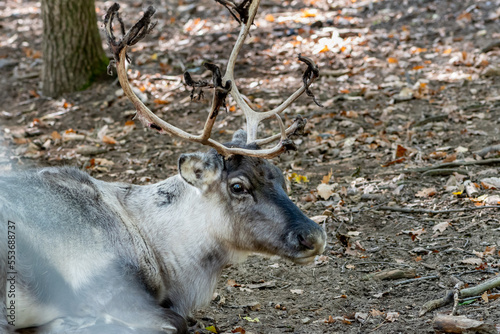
<point>108,140</point>
<point>438,155</point>
<point>55,135</point>
<point>376,313</point>
<point>397,161</point>
<point>450,158</point>
<point>401,151</point>
<point>330,320</point>
<point>426,192</point>
<point>232,282</point>
<point>327,177</point>
<point>392,316</point>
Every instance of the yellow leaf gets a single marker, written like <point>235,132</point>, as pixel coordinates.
<point>251,320</point>
<point>325,49</point>
<point>154,56</point>
<point>392,60</point>
<point>447,51</point>
<point>211,329</point>
<point>301,178</point>
<point>269,18</point>
<point>460,192</point>
<point>308,13</point>
<point>297,178</point>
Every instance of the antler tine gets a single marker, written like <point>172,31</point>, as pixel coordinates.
<point>296,129</point>
<point>146,116</point>
<point>253,118</point>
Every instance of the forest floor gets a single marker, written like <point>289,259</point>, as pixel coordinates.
<point>405,85</point>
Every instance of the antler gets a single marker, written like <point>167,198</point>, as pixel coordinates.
<point>244,13</point>
<point>253,118</point>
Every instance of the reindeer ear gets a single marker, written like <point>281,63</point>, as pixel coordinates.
<point>200,169</point>
<point>240,137</point>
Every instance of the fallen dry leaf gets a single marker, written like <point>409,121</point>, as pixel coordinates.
<point>319,219</point>
<point>325,191</point>
<point>238,330</point>
<point>392,316</point>
<point>426,192</point>
<point>108,140</point>
<point>327,177</point>
<point>439,228</point>
<point>472,260</point>
<point>376,313</point>
<point>401,151</point>
<point>491,183</point>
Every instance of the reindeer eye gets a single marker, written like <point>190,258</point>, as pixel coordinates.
<point>238,188</point>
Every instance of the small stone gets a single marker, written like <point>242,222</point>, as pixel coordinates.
<point>306,320</point>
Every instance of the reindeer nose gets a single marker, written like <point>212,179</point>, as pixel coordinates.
<point>306,243</point>
<point>312,242</point>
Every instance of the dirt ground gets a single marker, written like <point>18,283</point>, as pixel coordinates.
<point>405,85</point>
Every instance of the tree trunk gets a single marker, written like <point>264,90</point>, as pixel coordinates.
<point>72,51</point>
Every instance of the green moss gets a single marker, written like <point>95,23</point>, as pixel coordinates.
<point>98,72</point>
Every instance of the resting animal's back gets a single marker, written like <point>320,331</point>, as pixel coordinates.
<point>66,236</point>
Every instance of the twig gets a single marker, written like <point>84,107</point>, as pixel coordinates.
<point>444,171</point>
<point>416,279</point>
<point>445,165</point>
<point>464,293</point>
<point>437,118</point>
<point>380,262</point>
<point>490,46</point>
<point>456,296</point>
<point>391,274</point>
<point>494,148</point>
<point>416,210</point>
<point>436,303</point>
<point>478,289</point>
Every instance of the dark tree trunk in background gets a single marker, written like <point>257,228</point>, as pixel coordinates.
<point>72,51</point>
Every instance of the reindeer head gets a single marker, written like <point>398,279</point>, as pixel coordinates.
<point>252,188</point>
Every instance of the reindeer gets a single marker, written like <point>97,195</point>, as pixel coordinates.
<point>80,255</point>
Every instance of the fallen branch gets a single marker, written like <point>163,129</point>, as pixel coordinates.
<point>452,324</point>
<point>437,118</point>
<point>494,148</point>
<point>464,293</point>
<point>444,171</point>
<point>456,296</point>
<point>391,274</point>
<point>445,165</point>
<point>490,46</point>
<point>416,279</point>
<point>436,303</point>
<point>480,288</point>
<point>416,210</point>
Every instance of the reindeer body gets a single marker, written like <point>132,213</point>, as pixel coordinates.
<point>85,256</point>
<point>88,249</point>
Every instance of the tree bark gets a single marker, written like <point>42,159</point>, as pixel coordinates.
<point>72,50</point>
